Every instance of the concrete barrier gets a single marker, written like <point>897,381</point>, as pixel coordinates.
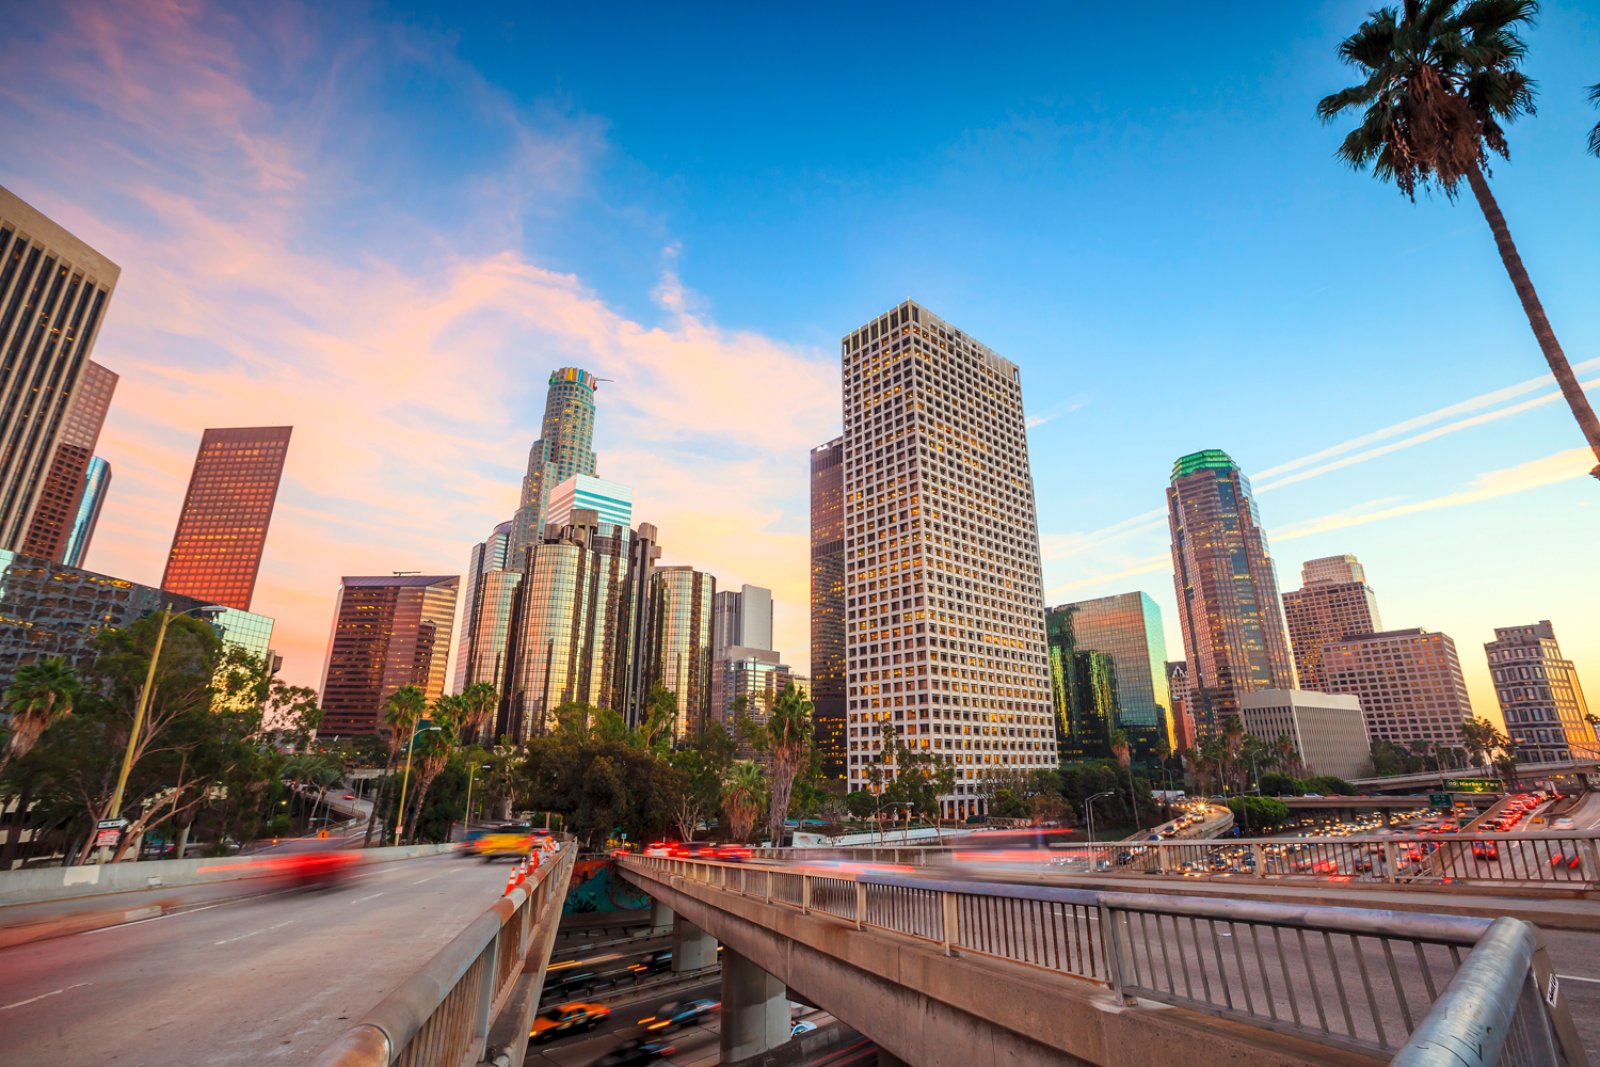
<point>66,883</point>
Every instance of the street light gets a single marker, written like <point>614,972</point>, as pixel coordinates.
<point>400,812</point>
<point>143,706</point>
<point>466,820</point>
<point>1088,808</point>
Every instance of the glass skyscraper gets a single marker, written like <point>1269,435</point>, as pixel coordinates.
<point>389,631</point>
<point>488,557</point>
<point>611,501</point>
<point>1127,629</point>
<point>96,484</point>
<point>66,482</point>
<point>1228,606</point>
<point>565,447</point>
<point>680,641</point>
<point>1334,602</point>
<point>827,606</point>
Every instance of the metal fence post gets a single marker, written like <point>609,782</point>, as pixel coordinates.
<point>1390,859</point>
<point>805,893</point>
<point>861,904</point>
<point>1161,858</point>
<point>949,927</point>
<point>1258,855</point>
<point>1116,951</point>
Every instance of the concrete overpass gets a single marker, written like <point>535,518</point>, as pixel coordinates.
<point>938,971</point>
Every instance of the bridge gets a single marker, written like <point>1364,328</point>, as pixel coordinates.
<point>1524,773</point>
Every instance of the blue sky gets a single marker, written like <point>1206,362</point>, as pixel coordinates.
<point>386,224</point>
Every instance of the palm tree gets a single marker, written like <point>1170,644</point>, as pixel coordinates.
<point>479,702</point>
<point>1441,79</point>
<point>743,789</point>
<point>430,752</point>
<point>1233,734</point>
<point>1121,749</point>
<point>1594,134</point>
<point>788,738</point>
<point>39,694</point>
<point>402,709</point>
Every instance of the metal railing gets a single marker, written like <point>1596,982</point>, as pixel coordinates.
<point>441,1015</point>
<point>1358,979</point>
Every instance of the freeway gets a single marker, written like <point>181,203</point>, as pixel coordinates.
<point>267,979</point>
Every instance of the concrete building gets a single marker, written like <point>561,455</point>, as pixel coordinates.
<point>67,479</point>
<point>758,675</point>
<point>50,609</point>
<point>1409,682</point>
<point>54,290</point>
<point>222,529</point>
<point>1328,730</point>
<point>1540,697</point>
<point>475,661</point>
<point>1127,629</point>
<point>943,598</point>
<point>741,625</point>
<point>1232,620</point>
<point>827,607</point>
<point>565,447</point>
<point>611,501</point>
<point>1334,602</point>
<point>1184,734</point>
<point>96,487</point>
<point>682,602</point>
<point>389,631</point>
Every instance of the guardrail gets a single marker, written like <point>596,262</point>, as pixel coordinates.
<point>1359,979</point>
<point>442,1014</point>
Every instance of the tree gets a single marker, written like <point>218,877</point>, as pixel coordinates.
<point>1124,755</point>
<point>1441,82</point>
<point>1594,134</point>
<point>479,701</point>
<point>786,737</point>
<point>430,751</point>
<point>1287,755</point>
<point>39,694</point>
<point>402,709</point>
<point>744,790</point>
<point>703,761</point>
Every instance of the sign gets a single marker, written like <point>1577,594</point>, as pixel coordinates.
<point>1441,802</point>
<point>1552,991</point>
<point>107,836</point>
<point>1472,785</point>
<point>110,824</point>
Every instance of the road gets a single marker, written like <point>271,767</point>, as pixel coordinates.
<point>270,979</point>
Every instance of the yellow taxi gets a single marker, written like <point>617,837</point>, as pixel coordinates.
<point>564,1019</point>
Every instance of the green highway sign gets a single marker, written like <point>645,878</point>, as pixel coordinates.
<point>1441,801</point>
<point>1472,785</point>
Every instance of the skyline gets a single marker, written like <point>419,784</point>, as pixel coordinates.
<point>247,299</point>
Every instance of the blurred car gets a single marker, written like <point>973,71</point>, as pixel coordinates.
<point>564,1019</point>
<point>1563,822</point>
<point>693,850</point>
<point>653,963</point>
<point>1485,850</point>
<point>314,865</point>
<point>731,853</point>
<point>679,1013</point>
<point>659,848</point>
<point>634,1052</point>
<point>512,840</point>
<point>802,1026</point>
<point>573,981</point>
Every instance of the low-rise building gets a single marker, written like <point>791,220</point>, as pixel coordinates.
<point>1328,729</point>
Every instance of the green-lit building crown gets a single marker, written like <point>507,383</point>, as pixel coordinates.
<point>1214,459</point>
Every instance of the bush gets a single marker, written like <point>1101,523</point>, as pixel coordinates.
<point>1255,815</point>
<point>1329,786</point>
<point>1278,784</point>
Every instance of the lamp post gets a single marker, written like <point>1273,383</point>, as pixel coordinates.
<point>143,706</point>
<point>466,820</point>
<point>405,780</point>
<point>1088,809</point>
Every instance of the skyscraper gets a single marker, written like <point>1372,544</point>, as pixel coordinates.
<point>827,607</point>
<point>743,661</point>
<point>742,616</point>
<point>222,530</point>
<point>1540,697</point>
<point>565,447</point>
<point>1127,628</point>
<point>945,605</point>
<point>1184,734</point>
<point>65,482</point>
<point>389,631</point>
<point>53,295</point>
<point>1083,688</point>
<point>609,500</point>
<point>1409,682</point>
<point>1334,603</point>
<point>96,485</point>
<point>1228,607</point>
<point>681,605</point>
<point>487,557</point>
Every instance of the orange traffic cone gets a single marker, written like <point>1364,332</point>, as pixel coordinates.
<point>511,883</point>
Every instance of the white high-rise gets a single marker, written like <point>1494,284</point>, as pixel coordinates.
<point>944,605</point>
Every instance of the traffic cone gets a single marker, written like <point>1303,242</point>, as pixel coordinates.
<point>511,883</point>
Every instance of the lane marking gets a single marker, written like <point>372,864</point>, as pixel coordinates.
<point>41,996</point>
<point>1578,978</point>
<point>252,933</point>
<point>430,878</point>
<point>369,896</point>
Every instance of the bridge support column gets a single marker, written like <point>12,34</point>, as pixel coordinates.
<point>692,948</point>
<point>889,1059</point>
<point>755,1008</point>
<point>661,916</point>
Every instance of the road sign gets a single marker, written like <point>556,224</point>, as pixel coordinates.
<point>110,824</point>
<point>1472,785</point>
<point>107,836</point>
<point>1441,801</point>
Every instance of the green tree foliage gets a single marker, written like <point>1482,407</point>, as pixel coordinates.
<point>703,762</point>
<point>1255,815</point>
<point>39,694</point>
<point>600,786</point>
<point>744,795</point>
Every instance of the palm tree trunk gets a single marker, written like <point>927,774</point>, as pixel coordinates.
<point>1542,331</point>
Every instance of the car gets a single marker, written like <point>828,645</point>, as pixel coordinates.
<point>571,1018</point>
<point>635,1052</point>
<point>571,981</point>
<point>349,796</point>
<point>1485,850</point>
<point>510,840</point>
<point>1563,822</point>
<point>660,848</point>
<point>802,1026</point>
<point>693,850</point>
<point>653,963</point>
<point>675,1014</point>
<point>731,853</point>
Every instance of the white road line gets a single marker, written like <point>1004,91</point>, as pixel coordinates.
<point>41,996</point>
<point>430,878</point>
<point>252,933</point>
<point>1578,978</point>
<point>369,896</point>
<point>124,926</point>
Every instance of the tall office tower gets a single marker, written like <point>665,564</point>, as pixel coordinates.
<point>1409,682</point>
<point>945,625</point>
<point>96,485</point>
<point>53,295</point>
<point>389,631</point>
<point>758,675</point>
<point>565,447</point>
<point>64,483</point>
<point>575,628</point>
<point>1083,691</point>
<point>487,557</point>
<point>1184,734</point>
<point>1540,697</point>
<point>1228,605</point>
<point>681,606</point>
<point>741,627</point>
<point>222,530</point>
<point>827,607</point>
<point>1127,628</point>
<point>1334,603</point>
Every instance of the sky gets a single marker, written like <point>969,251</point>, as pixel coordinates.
<point>385,224</point>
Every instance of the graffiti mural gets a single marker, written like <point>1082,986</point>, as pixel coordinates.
<point>597,887</point>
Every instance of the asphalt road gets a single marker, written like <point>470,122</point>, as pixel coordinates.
<point>269,979</point>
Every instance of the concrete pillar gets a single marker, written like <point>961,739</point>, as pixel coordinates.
<point>692,948</point>
<point>755,1009</point>
<point>660,916</point>
<point>889,1059</point>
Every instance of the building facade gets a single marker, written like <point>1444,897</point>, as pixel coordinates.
<point>96,486</point>
<point>565,447</point>
<point>827,607</point>
<point>67,478</point>
<point>1409,682</point>
<point>741,625</point>
<point>944,603</point>
<point>1328,730</point>
<point>487,557</point>
<point>1228,607</point>
<point>1334,602</point>
<point>1083,692</point>
<point>389,631</point>
<point>222,529</point>
<point>757,675</point>
<point>1127,628</point>
<point>1540,696</point>
<point>50,609</point>
<point>612,501</point>
<point>54,290</point>
<point>1184,734</point>
<point>682,602</point>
